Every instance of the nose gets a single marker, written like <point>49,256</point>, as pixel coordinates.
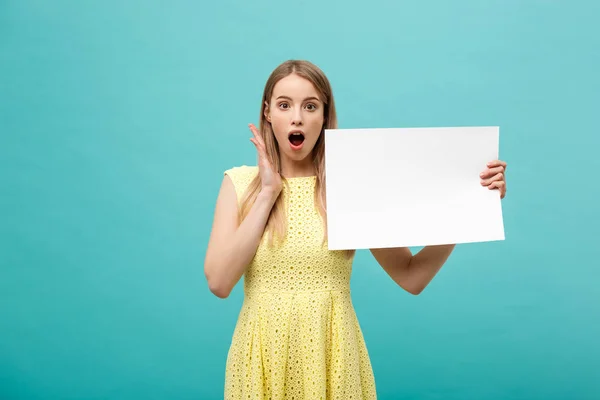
<point>297,117</point>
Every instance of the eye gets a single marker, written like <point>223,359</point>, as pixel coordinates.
<point>311,107</point>
<point>283,105</point>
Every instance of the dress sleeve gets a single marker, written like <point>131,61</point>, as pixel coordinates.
<point>241,177</point>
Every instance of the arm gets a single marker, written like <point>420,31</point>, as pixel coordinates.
<point>413,272</point>
<point>232,246</point>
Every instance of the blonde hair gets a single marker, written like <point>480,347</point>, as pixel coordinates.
<point>276,224</point>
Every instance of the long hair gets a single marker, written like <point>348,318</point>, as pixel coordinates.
<point>276,223</point>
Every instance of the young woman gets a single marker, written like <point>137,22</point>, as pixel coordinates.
<point>297,335</point>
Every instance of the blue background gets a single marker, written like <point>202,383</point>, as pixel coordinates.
<point>117,120</point>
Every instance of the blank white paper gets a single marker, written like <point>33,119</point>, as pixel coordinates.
<point>403,187</point>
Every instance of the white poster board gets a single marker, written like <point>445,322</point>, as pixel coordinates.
<point>403,187</point>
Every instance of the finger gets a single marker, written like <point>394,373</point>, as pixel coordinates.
<point>491,171</point>
<point>500,185</point>
<point>499,177</point>
<point>254,131</point>
<point>259,149</point>
<point>497,163</point>
<point>262,148</point>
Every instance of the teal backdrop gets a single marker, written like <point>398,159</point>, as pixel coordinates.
<point>117,120</point>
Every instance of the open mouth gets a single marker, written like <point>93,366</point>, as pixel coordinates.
<point>296,138</point>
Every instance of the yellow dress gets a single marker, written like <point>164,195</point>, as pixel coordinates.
<point>297,335</point>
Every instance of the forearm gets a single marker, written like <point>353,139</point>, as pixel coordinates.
<point>424,265</point>
<point>228,265</point>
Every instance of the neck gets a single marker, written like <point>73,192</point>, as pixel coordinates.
<point>296,169</point>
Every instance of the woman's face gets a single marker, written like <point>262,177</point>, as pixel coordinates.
<point>296,114</point>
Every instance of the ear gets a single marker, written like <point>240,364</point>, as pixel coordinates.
<point>267,112</point>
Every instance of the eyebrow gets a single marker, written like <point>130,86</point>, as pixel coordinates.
<point>289,98</point>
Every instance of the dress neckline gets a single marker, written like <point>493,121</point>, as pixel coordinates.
<point>299,177</point>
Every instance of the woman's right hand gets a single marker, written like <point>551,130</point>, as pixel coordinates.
<point>270,179</point>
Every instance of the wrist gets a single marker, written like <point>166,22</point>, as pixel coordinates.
<point>269,194</point>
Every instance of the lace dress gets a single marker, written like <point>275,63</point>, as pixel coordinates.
<point>297,335</point>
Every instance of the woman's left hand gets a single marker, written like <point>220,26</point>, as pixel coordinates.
<point>493,176</point>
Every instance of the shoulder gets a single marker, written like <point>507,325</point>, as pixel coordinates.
<point>241,177</point>
<point>242,172</point>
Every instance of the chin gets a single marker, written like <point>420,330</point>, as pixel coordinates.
<point>297,155</point>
